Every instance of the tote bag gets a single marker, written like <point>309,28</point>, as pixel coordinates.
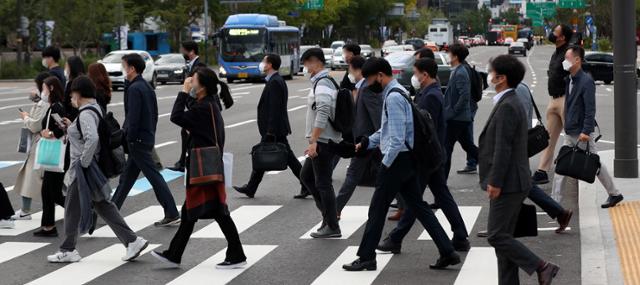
<point>50,153</point>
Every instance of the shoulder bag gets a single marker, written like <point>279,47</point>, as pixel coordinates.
<point>205,163</point>
<point>578,163</point>
<point>538,137</point>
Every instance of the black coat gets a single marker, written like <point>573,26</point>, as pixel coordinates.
<point>368,112</point>
<point>141,112</point>
<point>55,108</point>
<point>346,83</point>
<point>191,67</point>
<point>272,108</point>
<point>198,121</point>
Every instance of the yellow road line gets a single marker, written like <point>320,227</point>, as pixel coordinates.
<point>626,225</point>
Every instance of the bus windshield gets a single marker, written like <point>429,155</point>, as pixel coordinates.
<point>243,45</point>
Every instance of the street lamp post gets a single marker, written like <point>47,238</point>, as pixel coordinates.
<point>625,97</point>
<point>206,29</point>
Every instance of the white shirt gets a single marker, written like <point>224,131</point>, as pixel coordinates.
<point>360,83</point>
<point>192,61</point>
<point>498,96</point>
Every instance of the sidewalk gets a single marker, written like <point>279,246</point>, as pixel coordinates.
<point>610,239</point>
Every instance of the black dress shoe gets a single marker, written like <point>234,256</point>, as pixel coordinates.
<point>563,220</point>
<point>244,190</point>
<point>444,261</point>
<point>303,194</point>
<point>387,245</point>
<point>44,233</point>
<point>482,234</point>
<point>360,265</point>
<point>462,245</point>
<point>612,201</point>
<point>547,273</point>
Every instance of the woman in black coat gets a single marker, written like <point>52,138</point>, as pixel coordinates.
<point>206,128</point>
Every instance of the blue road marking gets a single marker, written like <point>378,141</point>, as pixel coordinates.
<point>142,185</point>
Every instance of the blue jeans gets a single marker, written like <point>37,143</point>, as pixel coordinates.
<point>540,198</point>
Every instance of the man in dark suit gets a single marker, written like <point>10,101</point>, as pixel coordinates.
<point>189,51</point>
<point>273,120</point>
<point>504,174</point>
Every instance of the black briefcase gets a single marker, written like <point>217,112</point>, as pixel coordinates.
<point>538,137</point>
<point>269,156</point>
<point>527,225</point>
<point>577,163</point>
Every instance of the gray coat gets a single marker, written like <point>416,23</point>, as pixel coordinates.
<point>83,148</point>
<point>503,159</point>
<point>457,97</point>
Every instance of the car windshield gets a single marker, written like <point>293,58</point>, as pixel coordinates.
<point>170,59</point>
<point>243,45</point>
<point>517,44</point>
<point>400,59</point>
<point>113,58</point>
<point>336,45</point>
<point>327,51</point>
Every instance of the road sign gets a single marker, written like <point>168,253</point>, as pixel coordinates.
<point>313,5</point>
<point>537,22</point>
<point>572,4</point>
<point>541,10</point>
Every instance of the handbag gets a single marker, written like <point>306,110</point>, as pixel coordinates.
<point>269,156</point>
<point>205,163</point>
<point>538,136</point>
<point>24,144</point>
<point>527,225</point>
<point>50,153</point>
<point>578,163</point>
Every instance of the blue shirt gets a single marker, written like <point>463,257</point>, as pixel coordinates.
<point>396,127</point>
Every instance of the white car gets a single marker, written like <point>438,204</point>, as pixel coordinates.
<point>337,45</point>
<point>338,61</point>
<point>113,63</point>
<point>328,56</point>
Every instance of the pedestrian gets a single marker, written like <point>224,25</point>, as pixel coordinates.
<point>556,85</point>
<point>189,50</point>
<point>368,113</point>
<point>28,180</point>
<point>141,119</point>
<point>458,108</point>
<point>6,210</point>
<point>504,174</point>
<point>273,121</point>
<point>431,99</point>
<point>203,201</point>
<point>348,52</point>
<point>398,172</point>
<point>50,58</point>
<point>580,113</point>
<point>52,182</point>
<point>87,187</point>
<point>424,53</point>
<point>100,77</point>
<point>73,68</point>
<point>317,170</point>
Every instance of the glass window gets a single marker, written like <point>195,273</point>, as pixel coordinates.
<point>171,59</point>
<point>243,45</point>
<point>443,29</point>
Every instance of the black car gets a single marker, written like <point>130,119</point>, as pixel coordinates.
<point>518,48</point>
<point>416,43</point>
<point>599,65</point>
<point>170,68</point>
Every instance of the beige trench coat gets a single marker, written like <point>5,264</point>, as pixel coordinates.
<point>29,181</point>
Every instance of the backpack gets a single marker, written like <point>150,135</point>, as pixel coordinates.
<point>427,151</point>
<point>344,116</point>
<point>111,158</point>
<point>478,83</point>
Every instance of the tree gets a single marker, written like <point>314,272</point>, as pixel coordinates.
<point>176,16</point>
<point>511,16</point>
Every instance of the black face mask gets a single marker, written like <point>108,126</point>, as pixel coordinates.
<point>552,38</point>
<point>376,87</point>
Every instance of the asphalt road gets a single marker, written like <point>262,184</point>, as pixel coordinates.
<point>273,225</point>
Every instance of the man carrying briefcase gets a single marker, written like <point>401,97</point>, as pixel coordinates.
<point>273,122</point>
<point>580,113</point>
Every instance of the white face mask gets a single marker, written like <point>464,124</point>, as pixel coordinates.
<point>566,65</point>
<point>305,71</point>
<point>492,85</point>
<point>352,78</point>
<point>66,73</point>
<point>44,63</point>
<point>44,96</point>
<point>415,82</point>
<point>261,67</point>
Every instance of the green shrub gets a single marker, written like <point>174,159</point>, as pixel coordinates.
<point>604,44</point>
<point>11,70</point>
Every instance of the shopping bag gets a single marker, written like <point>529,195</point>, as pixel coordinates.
<point>227,160</point>
<point>50,155</point>
<point>25,141</point>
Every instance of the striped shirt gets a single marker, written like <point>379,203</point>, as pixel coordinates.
<point>324,96</point>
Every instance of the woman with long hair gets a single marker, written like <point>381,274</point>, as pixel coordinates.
<point>51,192</point>
<point>73,68</point>
<point>98,74</point>
<point>206,127</point>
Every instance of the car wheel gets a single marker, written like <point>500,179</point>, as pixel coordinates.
<point>154,81</point>
<point>608,82</point>
<point>230,80</point>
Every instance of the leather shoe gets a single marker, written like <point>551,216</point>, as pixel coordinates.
<point>361,265</point>
<point>547,273</point>
<point>397,215</point>
<point>482,234</point>
<point>179,167</point>
<point>612,201</point>
<point>387,245</point>
<point>244,190</point>
<point>563,220</point>
<point>444,261</point>
<point>462,245</point>
<point>303,194</point>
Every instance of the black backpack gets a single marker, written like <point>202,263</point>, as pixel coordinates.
<point>478,83</point>
<point>111,158</point>
<point>344,116</point>
<point>427,149</point>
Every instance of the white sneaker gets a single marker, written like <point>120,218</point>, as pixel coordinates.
<point>64,257</point>
<point>7,224</point>
<point>21,215</point>
<point>135,248</point>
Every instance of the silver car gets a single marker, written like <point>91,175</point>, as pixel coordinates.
<point>366,51</point>
<point>338,61</point>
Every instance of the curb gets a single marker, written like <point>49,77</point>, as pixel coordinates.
<point>15,80</point>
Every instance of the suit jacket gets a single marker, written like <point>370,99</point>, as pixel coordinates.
<point>140,111</point>
<point>502,157</point>
<point>457,99</point>
<point>191,67</point>
<point>272,108</point>
<point>580,105</point>
<point>368,112</point>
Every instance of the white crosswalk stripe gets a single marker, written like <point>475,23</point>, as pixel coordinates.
<point>480,267</point>
<point>244,217</point>
<point>351,219</point>
<point>136,221</point>
<point>11,250</point>
<point>336,275</point>
<point>205,273</point>
<point>469,216</point>
<point>23,226</point>
<point>89,268</point>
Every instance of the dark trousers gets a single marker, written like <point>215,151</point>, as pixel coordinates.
<point>443,198</point>
<point>357,168</point>
<point>316,176</point>
<point>458,131</point>
<point>184,139</point>
<point>401,177</point>
<point>140,160</point>
<point>6,210</point>
<point>540,198</point>
<point>181,238</point>
<point>511,254</point>
<point>471,161</point>
<point>292,161</point>
<point>51,195</point>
